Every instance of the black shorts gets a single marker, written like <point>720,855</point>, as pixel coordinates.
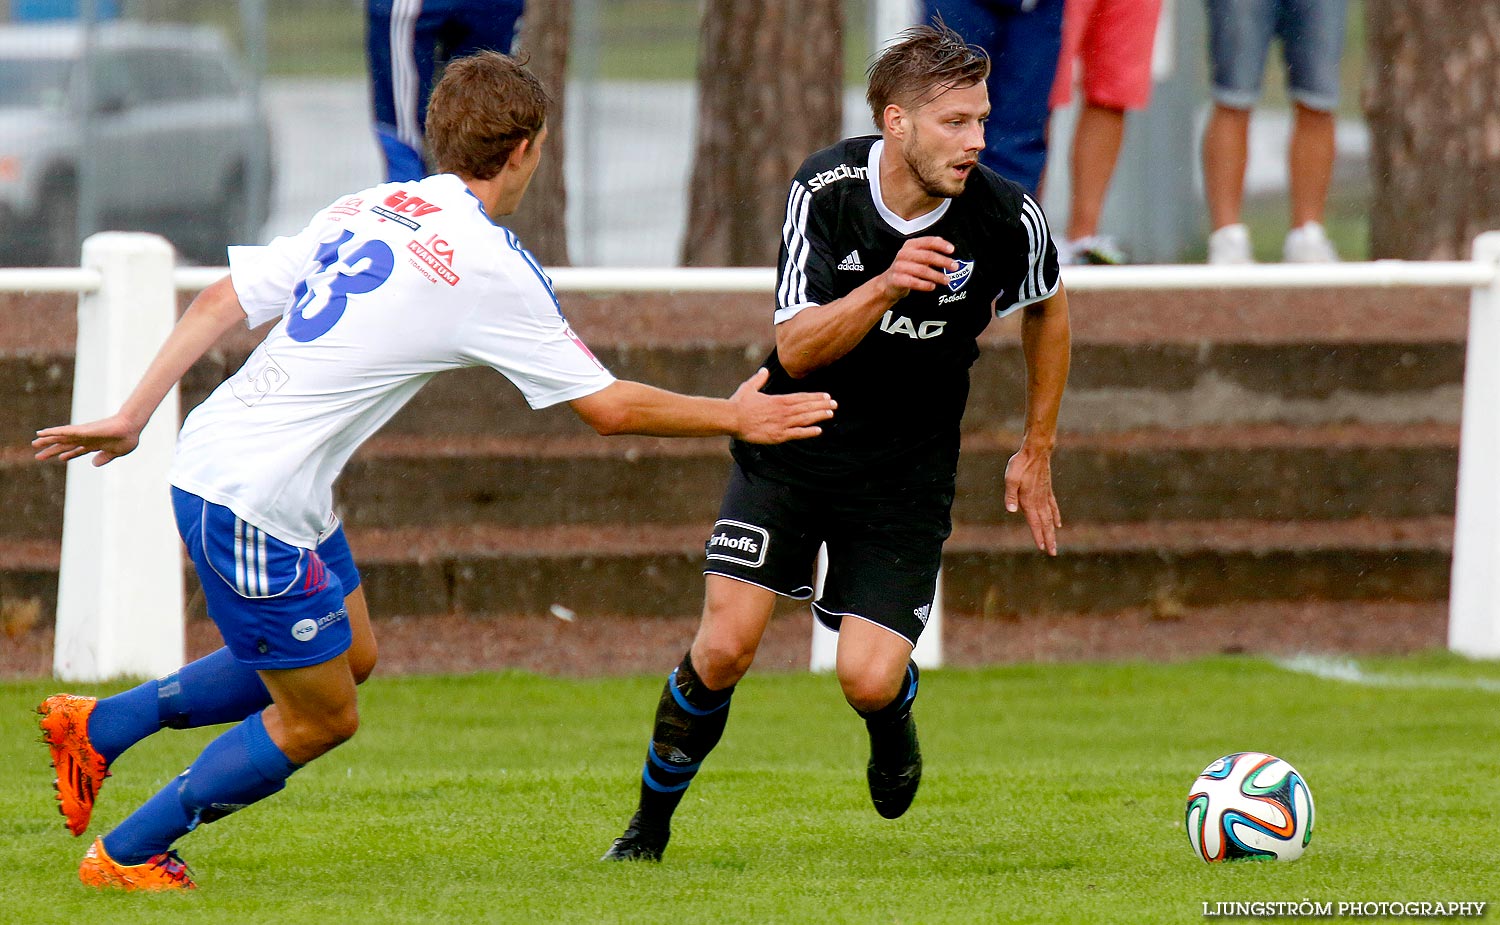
<point>884,551</point>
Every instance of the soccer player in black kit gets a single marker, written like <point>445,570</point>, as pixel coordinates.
<point>897,250</point>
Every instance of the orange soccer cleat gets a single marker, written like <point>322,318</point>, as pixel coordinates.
<point>80,770</point>
<point>164,871</point>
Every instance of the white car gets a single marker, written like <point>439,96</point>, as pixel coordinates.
<point>182,147</point>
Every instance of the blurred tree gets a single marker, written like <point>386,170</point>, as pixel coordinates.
<point>1432,79</point>
<point>770,92</point>
<point>541,222</point>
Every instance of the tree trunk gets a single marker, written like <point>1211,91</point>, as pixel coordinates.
<point>1432,82</point>
<point>541,221</point>
<point>770,92</point>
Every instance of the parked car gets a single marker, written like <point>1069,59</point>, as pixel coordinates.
<point>182,146</point>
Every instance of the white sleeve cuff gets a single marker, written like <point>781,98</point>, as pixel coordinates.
<point>1041,298</point>
<point>788,313</point>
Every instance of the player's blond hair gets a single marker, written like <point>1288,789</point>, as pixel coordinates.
<point>483,107</point>
<point>924,62</point>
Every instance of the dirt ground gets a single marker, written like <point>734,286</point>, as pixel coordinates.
<point>604,646</point>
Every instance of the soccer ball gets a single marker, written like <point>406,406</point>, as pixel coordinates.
<point>1249,805</point>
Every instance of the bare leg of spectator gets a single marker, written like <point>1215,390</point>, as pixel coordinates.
<point>1225,152</point>
<point>1096,148</point>
<point>1310,164</point>
<point>1226,145</point>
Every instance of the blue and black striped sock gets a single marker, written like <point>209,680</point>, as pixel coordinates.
<point>690,719</point>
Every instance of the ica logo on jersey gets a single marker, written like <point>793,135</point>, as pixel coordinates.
<point>437,255</point>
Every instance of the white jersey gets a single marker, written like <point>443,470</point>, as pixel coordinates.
<point>382,290</point>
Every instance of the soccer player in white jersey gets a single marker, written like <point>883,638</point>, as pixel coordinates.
<point>381,291</point>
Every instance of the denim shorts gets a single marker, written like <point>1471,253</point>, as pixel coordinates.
<point>1312,41</point>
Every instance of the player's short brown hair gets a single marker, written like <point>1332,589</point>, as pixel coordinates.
<point>483,107</point>
<point>924,62</point>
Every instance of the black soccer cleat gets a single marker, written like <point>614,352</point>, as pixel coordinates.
<point>638,843</point>
<point>895,769</point>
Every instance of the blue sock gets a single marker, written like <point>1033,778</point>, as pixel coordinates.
<point>212,690</point>
<point>120,721</point>
<point>215,689</point>
<point>238,768</point>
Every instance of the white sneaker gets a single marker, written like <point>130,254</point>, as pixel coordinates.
<point>1308,244</point>
<point>1066,255</point>
<point>1097,250</point>
<point>1230,244</point>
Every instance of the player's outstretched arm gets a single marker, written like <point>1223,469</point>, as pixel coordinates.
<point>1046,341</point>
<point>820,334</point>
<point>214,311</point>
<point>626,407</point>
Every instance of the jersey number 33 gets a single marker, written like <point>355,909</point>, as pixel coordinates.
<point>337,277</point>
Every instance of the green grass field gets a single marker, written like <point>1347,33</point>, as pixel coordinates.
<point>1053,794</point>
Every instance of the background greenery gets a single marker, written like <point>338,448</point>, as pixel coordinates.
<point>1053,794</point>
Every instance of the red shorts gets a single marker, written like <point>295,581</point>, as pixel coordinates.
<point>1114,39</point>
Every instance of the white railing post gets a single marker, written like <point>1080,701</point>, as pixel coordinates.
<point>929,650</point>
<point>119,595</point>
<point>825,642</point>
<point>1474,598</point>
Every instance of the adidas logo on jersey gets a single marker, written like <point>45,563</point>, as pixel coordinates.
<point>851,262</point>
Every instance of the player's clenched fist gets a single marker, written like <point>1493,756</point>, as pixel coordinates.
<point>922,264</point>
<point>777,418</point>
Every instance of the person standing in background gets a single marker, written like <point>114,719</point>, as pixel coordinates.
<point>1113,41</point>
<point>407,43</point>
<point>1312,43</point>
<point>1023,39</point>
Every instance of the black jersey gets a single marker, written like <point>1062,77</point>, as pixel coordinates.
<point>901,391</point>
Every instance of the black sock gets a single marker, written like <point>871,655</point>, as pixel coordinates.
<point>892,717</point>
<point>690,719</point>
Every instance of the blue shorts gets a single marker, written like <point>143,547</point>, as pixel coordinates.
<point>1312,41</point>
<point>277,605</point>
